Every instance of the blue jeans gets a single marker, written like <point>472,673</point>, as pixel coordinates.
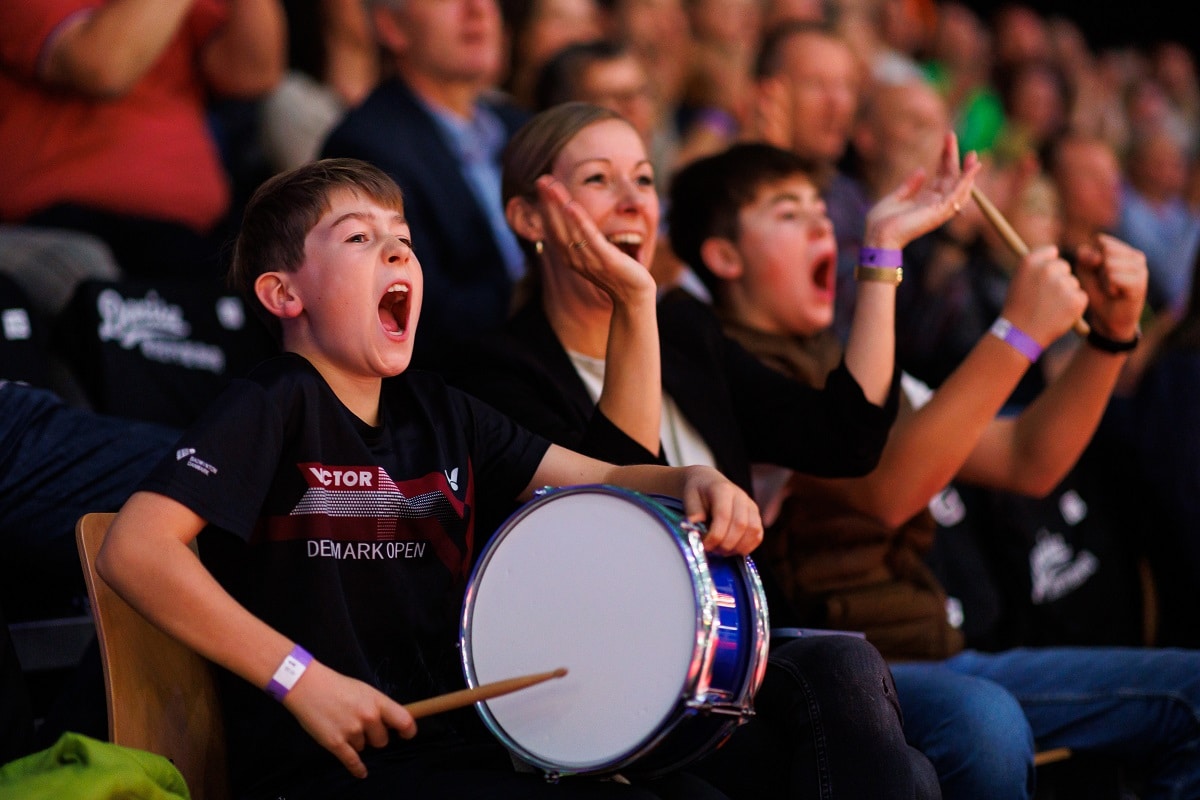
<point>978,715</point>
<point>57,463</point>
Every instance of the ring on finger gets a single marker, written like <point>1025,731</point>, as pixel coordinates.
<point>582,243</point>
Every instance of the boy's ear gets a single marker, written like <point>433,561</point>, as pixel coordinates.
<point>388,30</point>
<point>525,219</point>
<point>275,293</point>
<point>722,258</point>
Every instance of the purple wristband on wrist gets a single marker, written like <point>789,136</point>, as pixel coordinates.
<point>880,257</point>
<point>1016,338</point>
<point>293,666</point>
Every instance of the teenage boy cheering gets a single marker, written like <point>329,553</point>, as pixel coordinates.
<point>749,221</point>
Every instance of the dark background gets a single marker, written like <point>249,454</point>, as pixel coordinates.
<point>1107,23</point>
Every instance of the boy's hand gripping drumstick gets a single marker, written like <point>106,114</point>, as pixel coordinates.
<point>465,697</point>
<point>1012,239</point>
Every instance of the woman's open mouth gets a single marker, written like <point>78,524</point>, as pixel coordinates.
<point>628,243</point>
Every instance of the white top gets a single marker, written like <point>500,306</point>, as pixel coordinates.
<point>682,444</point>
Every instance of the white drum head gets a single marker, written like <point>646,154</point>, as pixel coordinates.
<point>593,582</point>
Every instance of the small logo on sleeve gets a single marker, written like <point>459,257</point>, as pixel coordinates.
<point>201,466</point>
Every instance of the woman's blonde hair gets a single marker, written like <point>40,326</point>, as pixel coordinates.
<point>532,150</point>
<point>529,155</point>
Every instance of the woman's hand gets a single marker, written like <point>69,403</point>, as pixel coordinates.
<point>574,240</point>
<point>734,523</point>
<point>922,204</point>
<point>345,715</point>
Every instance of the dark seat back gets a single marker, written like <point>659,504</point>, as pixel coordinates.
<point>159,351</point>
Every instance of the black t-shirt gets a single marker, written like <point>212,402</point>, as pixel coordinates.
<point>354,541</point>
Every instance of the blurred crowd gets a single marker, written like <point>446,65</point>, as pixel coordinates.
<point>134,131</point>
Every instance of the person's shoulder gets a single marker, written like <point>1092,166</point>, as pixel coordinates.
<point>284,367</point>
<point>285,378</point>
<point>435,400</point>
<point>390,108</point>
<point>254,408</point>
<point>385,96</point>
<point>524,336</point>
<point>478,361</point>
<point>679,308</point>
<point>421,386</point>
<point>511,115</point>
<point>678,296</point>
<point>416,380</point>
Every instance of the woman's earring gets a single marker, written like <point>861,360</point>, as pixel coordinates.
<point>537,246</point>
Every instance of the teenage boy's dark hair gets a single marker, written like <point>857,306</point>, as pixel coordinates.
<point>707,195</point>
<point>286,207</point>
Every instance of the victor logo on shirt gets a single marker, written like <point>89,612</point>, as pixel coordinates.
<point>349,512</point>
<point>347,478</point>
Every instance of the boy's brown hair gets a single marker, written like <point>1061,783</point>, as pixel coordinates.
<point>708,194</point>
<point>286,207</point>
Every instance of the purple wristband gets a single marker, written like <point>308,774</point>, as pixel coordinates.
<point>1018,339</point>
<point>293,666</point>
<point>880,257</point>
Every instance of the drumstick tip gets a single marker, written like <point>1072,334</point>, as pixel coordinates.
<point>558,673</point>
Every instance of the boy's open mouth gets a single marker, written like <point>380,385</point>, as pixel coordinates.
<point>393,308</point>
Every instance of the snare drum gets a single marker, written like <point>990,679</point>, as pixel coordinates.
<point>664,645</point>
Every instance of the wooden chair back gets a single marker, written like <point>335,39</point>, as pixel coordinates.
<point>161,695</point>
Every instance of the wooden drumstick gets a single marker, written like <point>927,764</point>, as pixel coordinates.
<point>465,697</point>
<point>1012,239</point>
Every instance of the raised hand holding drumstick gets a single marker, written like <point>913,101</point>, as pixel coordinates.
<point>1044,297</point>
<point>1012,239</point>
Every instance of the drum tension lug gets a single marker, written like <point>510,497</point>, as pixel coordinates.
<point>706,706</point>
<point>552,776</point>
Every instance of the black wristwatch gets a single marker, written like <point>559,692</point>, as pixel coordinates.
<point>1102,342</point>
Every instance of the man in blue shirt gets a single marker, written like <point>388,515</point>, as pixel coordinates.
<point>436,131</point>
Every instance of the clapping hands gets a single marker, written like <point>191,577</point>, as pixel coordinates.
<point>922,203</point>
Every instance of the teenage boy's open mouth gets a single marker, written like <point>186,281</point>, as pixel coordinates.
<point>825,272</point>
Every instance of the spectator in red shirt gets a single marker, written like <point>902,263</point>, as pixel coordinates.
<point>105,125</point>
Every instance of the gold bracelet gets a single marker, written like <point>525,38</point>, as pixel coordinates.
<point>892,275</point>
